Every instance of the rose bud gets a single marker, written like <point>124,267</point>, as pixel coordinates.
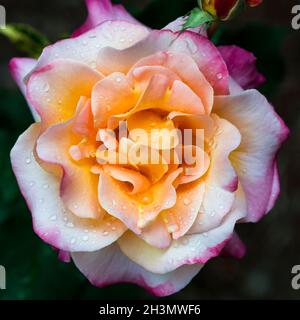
<point>225,9</point>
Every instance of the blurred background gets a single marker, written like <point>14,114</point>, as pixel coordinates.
<point>33,270</point>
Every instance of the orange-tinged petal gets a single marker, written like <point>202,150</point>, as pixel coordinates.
<point>139,182</point>
<point>55,89</point>
<point>79,185</point>
<point>136,211</point>
<point>113,95</point>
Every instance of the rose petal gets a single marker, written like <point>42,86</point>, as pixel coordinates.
<point>219,188</point>
<point>190,249</point>
<point>19,69</point>
<point>78,185</point>
<point>136,211</point>
<point>234,248</point>
<point>100,11</point>
<point>202,50</point>
<point>241,66</point>
<point>54,90</point>
<point>112,95</point>
<point>51,220</point>
<point>262,134</point>
<point>187,70</point>
<point>111,266</point>
<point>139,182</point>
<point>85,48</point>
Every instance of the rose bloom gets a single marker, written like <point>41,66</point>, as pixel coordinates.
<point>155,225</point>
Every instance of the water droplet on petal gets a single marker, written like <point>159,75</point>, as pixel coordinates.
<point>70,225</point>
<point>28,160</point>
<point>186,201</point>
<point>53,218</point>
<point>85,238</point>
<point>185,241</point>
<point>46,186</point>
<point>219,76</point>
<point>46,87</point>
<point>73,240</point>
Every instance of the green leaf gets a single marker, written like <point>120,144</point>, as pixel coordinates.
<point>26,38</point>
<point>196,18</point>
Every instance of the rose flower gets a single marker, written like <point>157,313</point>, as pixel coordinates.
<point>153,224</point>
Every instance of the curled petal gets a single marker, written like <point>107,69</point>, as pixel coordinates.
<point>203,52</point>
<point>262,134</point>
<point>136,211</point>
<point>54,223</point>
<point>190,249</point>
<point>79,185</point>
<point>110,266</point>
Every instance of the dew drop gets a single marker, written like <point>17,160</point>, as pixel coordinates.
<point>186,201</point>
<point>185,241</point>
<point>46,87</point>
<point>41,200</point>
<point>70,225</point>
<point>92,36</point>
<point>31,183</point>
<point>85,238</point>
<point>46,186</point>
<point>53,218</point>
<point>122,40</point>
<point>205,234</point>
<point>119,79</point>
<point>73,240</point>
<point>219,76</point>
<point>105,233</point>
<point>28,160</point>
